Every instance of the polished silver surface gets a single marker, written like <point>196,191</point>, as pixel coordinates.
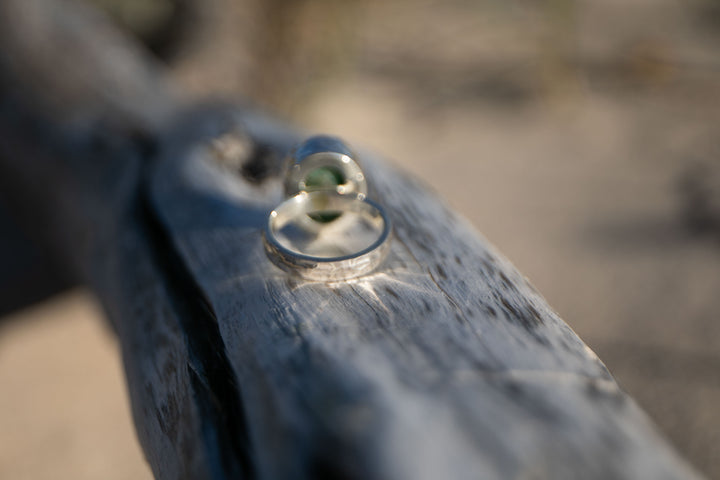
<point>336,252</point>
<point>324,153</point>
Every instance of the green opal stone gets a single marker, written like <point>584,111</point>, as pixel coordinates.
<point>324,178</point>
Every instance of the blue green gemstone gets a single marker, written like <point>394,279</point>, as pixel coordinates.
<point>324,178</point>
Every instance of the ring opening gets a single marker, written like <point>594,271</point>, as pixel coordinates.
<point>361,226</point>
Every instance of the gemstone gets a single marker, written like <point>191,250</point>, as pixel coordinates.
<point>324,178</point>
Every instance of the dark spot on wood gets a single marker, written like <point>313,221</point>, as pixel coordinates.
<point>441,271</point>
<point>426,305</point>
<point>511,309</point>
<point>505,280</point>
<point>423,246</point>
<point>526,318</point>
<point>529,317</point>
<point>457,260</point>
<point>260,163</point>
<point>534,314</point>
<point>392,293</point>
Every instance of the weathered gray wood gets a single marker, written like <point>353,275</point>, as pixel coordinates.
<point>445,363</point>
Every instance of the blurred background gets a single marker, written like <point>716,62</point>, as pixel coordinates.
<point>581,137</point>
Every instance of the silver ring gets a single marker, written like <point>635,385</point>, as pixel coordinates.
<point>349,177</point>
<point>313,258</point>
<point>323,162</point>
<point>326,229</point>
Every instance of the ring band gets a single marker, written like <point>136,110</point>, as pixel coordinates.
<point>317,267</point>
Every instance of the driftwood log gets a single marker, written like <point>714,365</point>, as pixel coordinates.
<point>444,363</point>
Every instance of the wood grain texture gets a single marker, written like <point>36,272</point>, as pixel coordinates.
<point>444,363</point>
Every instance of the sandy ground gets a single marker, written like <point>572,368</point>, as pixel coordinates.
<point>562,133</point>
<point>64,412</point>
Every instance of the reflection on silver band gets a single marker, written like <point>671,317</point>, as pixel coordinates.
<point>328,264</point>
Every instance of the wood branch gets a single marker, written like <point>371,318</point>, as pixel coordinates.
<point>444,363</point>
